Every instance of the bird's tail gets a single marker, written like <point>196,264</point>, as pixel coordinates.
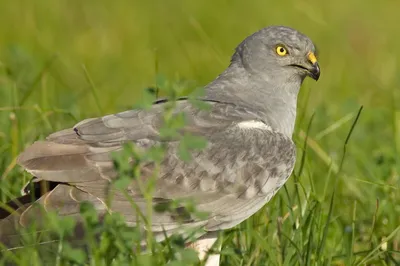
<point>10,213</point>
<point>13,205</point>
<point>9,219</point>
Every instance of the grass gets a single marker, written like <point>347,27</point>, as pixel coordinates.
<point>63,61</point>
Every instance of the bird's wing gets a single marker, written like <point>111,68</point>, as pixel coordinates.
<point>244,164</point>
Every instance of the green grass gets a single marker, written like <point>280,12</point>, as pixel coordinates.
<point>63,61</point>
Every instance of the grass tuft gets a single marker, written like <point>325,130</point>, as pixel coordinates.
<point>342,205</point>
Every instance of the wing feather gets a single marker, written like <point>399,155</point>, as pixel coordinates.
<point>233,177</point>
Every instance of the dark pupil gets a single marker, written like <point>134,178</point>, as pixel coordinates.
<point>282,50</point>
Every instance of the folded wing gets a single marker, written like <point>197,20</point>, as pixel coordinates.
<point>234,176</point>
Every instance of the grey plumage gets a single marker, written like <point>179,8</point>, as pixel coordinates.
<point>249,155</point>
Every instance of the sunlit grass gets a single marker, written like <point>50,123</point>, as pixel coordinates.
<point>63,61</point>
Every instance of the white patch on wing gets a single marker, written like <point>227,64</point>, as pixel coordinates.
<point>254,124</point>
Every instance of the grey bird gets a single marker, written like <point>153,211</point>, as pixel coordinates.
<point>249,156</point>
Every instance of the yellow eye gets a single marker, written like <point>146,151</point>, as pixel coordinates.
<point>280,50</point>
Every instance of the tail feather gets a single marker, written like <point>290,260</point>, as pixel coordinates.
<point>9,220</point>
<point>14,205</point>
<point>12,211</point>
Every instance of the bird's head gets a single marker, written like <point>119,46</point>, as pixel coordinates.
<point>278,52</point>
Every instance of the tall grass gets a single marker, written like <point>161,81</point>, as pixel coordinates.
<point>63,61</point>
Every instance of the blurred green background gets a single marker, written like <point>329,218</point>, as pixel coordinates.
<point>56,56</point>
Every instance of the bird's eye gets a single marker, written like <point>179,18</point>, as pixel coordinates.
<point>281,51</point>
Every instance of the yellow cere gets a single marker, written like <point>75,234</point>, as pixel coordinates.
<point>280,50</point>
<point>312,57</point>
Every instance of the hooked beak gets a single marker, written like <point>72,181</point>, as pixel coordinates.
<point>311,67</point>
<point>314,71</point>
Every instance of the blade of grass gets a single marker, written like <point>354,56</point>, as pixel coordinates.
<point>372,253</point>
<point>319,151</point>
<point>353,231</point>
<point>333,127</point>
<point>302,162</point>
<point>37,79</point>
<point>374,222</point>
<point>93,89</point>
<point>326,228</point>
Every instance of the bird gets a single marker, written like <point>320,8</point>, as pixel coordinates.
<point>248,157</point>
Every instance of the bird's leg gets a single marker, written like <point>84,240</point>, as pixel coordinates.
<point>202,246</point>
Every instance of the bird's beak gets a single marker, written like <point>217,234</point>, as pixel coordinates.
<point>314,71</point>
